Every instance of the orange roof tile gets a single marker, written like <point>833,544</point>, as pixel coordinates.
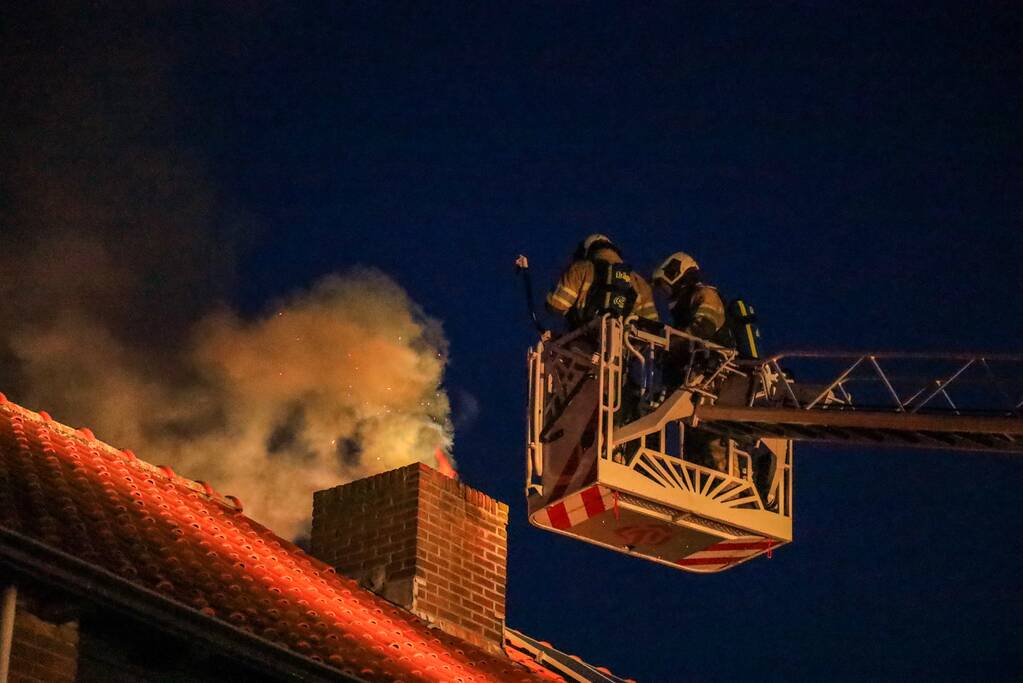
<point>157,531</point>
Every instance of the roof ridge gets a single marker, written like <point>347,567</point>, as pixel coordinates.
<point>86,436</point>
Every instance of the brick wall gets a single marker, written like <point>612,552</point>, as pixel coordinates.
<point>42,651</point>
<point>424,541</point>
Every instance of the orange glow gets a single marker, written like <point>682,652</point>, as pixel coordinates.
<point>161,532</point>
<point>444,464</point>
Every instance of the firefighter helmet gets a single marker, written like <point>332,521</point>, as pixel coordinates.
<point>594,243</point>
<point>674,268</point>
<point>594,239</point>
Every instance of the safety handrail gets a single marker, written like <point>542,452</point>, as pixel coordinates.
<point>605,350</point>
<point>910,394</point>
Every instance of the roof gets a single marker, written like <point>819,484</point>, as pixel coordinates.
<point>177,546</point>
<point>521,648</point>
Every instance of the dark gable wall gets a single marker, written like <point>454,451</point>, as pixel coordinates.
<point>59,639</point>
<point>44,646</point>
<point>113,649</point>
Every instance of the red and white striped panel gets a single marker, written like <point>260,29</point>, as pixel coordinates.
<point>576,508</point>
<point>726,553</point>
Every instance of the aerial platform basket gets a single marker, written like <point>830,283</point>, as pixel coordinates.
<point>607,460</point>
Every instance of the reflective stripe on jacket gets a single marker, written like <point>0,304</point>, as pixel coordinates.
<point>574,284</point>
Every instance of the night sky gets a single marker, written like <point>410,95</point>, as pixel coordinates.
<point>856,173</point>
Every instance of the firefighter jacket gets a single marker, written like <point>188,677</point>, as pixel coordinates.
<point>569,296</point>
<point>700,311</point>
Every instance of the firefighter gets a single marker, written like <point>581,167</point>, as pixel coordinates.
<point>697,309</point>
<point>598,282</point>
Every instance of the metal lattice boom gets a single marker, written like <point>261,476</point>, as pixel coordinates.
<point>957,401</point>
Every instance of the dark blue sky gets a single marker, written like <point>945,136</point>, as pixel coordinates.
<point>856,173</point>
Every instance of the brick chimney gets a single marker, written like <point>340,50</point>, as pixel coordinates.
<point>423,541</point>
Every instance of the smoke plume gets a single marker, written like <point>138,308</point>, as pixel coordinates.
<point>118,257</point>
<point>336,383</point>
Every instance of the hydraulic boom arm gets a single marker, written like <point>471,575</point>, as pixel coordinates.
<point>626,420</point>
<point>958,401</point>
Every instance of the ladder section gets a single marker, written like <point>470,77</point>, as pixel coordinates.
<point>970,402</point>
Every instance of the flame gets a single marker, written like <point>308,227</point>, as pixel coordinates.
<point>444,464</point>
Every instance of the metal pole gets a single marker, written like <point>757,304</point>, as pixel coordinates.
<point>841,378</point>
<point>941,386</point>
<point>522,267</point>
<point>7,630</point>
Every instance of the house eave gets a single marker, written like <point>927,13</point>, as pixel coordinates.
<point>38,563</point>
